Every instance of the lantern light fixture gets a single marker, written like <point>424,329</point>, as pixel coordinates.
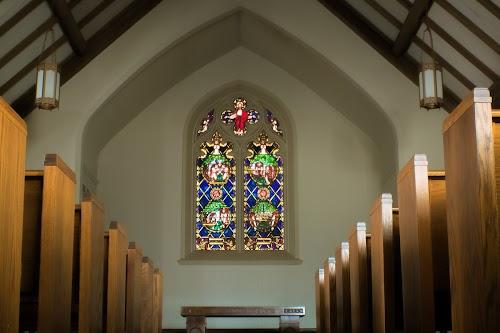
<point>430,79</point>
<point>48,76</point>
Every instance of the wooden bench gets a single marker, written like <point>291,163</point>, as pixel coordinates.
<point>196,321</point>
<point>360,279</point>
<point>496,147</point>
<point>157,301</point>
<point>320,300</point>
<point>472,213</point>
<point>387,300</point>
<point>147,292</point>
<point>134,291</point>
<point>343,289</point>
<point>330,311</point>
<point>424,249</point>
<point>115,272</point>
<point>12,165</point>
<point>88,261</point>
<point>47,258</point>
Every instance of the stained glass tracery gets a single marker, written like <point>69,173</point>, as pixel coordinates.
<point>263,196</point>
<point>216,196</point>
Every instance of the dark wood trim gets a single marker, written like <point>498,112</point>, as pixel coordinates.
<point>451,41</point>
<point>28,8</point>
<point>68,24</point>
<point>383,45</point>
<point>94,12</point>
<point>31,37</point>
<point>413,21</point>
<point>469,25</point>
<point>98,42</point>
<point>495,94</point>
<point>491,7</point>
<point>239,330</point>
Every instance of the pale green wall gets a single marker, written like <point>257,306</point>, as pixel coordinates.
<point>337,179</point>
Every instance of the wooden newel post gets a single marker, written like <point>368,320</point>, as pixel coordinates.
<point>196,324</point>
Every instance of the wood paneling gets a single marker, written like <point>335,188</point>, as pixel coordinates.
<point>116,278</point>
<point>134,271</point>
<point>12,164</point>
<point>360,279</point>
<point>147,295</point>
<point>320,300</point>
<point>343,289</point>
<point>386,267</point>
<point>91,280</point>
<point>473,229</point>
<point>416,246</point>
<point>157,301</point>
<point>330,297</point>
<point>496,148</point>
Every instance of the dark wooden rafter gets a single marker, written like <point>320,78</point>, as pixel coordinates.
<point>469,25</point>
<point>491,7</point>
<point>95,45</point>
<point>409,29</point>
<point>19,47</point>
<point>453,43</point>
<point>424,46</point>
<point>68,24</point>
<point>28,8</point>
<point>58,43</point>
<point>383,45</point>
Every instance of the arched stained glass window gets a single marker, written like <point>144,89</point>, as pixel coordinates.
<point>239,182</point>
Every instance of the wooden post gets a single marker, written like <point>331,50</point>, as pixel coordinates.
<point>360,278</point>
<point>416,246</point>
<point>330,296</point>
<point>472,214</point>
<point>91,258</point>
<point>320,300</point>
<point>343,289</point>
<point>386,266</point>
<point>12,165</point>
<point>147,295</point>
<point>134,271</point>
<point>116,280</point>
<point>157,301</point>
<point>196,324</point>
<point>56,246</point>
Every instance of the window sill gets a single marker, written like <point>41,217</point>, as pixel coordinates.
<point>239,258</point>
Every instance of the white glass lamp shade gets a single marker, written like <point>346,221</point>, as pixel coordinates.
<point>47,86</point>
<point>430,81</point>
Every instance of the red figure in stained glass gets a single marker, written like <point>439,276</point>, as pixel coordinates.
<point>240,116</point>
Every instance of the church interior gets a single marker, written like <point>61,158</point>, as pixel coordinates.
<point>249,166</point>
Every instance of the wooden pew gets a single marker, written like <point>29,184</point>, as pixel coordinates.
<point>115,272</point>
<point>47,260</point>
<point>424,250</point>
<point>360,279</point>
<point>342,286</point>
<point>472,212</point>
<point>387,300</point>
<point>134,285</point>
<point>496,147</point>
<point>330,312</point>
<point>12,164</point>
<point>320,300</point>
<point>157,301</point>
<point>147,279</point>
<point>88,260</point>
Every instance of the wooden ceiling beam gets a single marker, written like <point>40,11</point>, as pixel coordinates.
<point>453,43</point>
<point>491,7</point>
<point>469,25</point>
<point>118,25</point>
<point>68,24</point>
<point>28,8</point>
<point>411,25</point>
<point>383,45</point>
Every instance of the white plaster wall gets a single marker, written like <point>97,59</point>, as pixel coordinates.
<point>170,20</point>
<point>337,179</point>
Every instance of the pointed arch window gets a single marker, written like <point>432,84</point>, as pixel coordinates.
<point>239,180</point>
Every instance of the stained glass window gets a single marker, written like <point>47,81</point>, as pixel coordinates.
<point>264,227</point>
<point>216,199</point>
<point>234,146</point>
